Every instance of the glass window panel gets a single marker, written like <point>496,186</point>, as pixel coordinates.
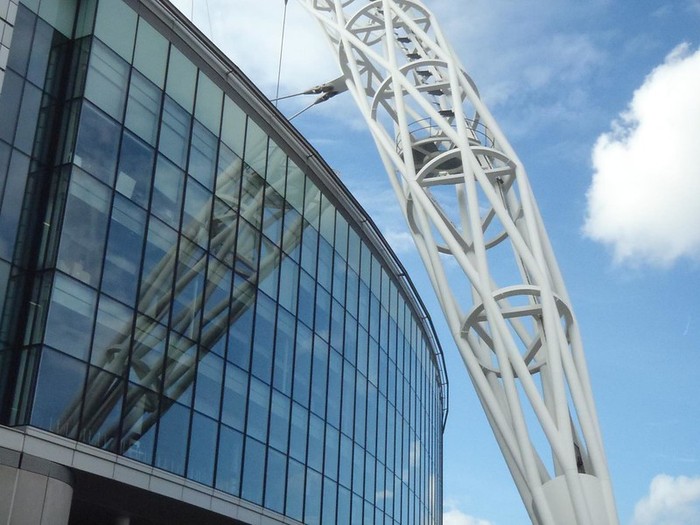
<point>320,373</point>
<point>147,353</point>
<point>135,170</point>
<point>312,507</point>
<point>158,268</point>
<point>179,369</point>
<point>102,409</point>
<point>343,515</point>
<point>203,155</point>
<point>57,396</point>
<point>235,397</point>
<point>11,204</point>
<point>348,400</point>
<point>329,501</point>
<point>27,121</point>
<point>253,471</point>
<point>222,233</point>
<point>273,214</point>
<point>284,352</point>
<point>107,77</point>
<point>168,189</point>
<point>305,310</point>
<point>345,461</point>
<point>295,490</point>
<point>97,144</point>
<point>331,451</point>
<point>124,247</point>
<point>312,203</point>
<point>216,308</point>
<point>299,432</point>
<point>69,323</point>
<point>228,181</point>
<point>294,193</point>
<point>228,470</point>
<point>200,465</point>
<point>323,313</point>
<point>208,107</point>
<point>10,98</point>
<point>173,431</point>
<point>341,236</point>
<point>325,261</point>
<point>189,289</point>
<point>110,344</point>
<point>268,271</point>
<point>252,192</point>
<point>279,421</point>
<point>197,212</point>
<point>327,223</point>
<point>174,132</point>
<point>182,76</point>
<point>275,480</point>
<point>258,410</point>
<point>241,330</point>
<point>289,284</point>
<point>263,340</point>
<point>314,458</point>
<point>276,175</point>
<point>143,108</point>
<point>151,53</point>
<point>334,392</point>
<point>255,147</point>
<point>309,250</point>
<point>358,472</point>
<point>302,365</point>
<point>118,36</point>
<point>138,424</point>
<point>291,236</point>
<point>210,371</point>
<point>233,126</point>
<point>21,47</point>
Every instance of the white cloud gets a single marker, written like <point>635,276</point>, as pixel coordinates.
<point>457,517</point>
<point>671,501</point>
<point>644,200</point>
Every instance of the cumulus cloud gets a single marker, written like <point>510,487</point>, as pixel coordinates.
<point>671,501</point>
<point>644,200</point>
<point>457,517</point>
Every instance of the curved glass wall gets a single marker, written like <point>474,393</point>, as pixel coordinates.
<point>200,305</point>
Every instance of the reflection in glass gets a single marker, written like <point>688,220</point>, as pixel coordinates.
<point>143,108</point>
<point>228,470</point>
<point>70,318</point>
<point>253,471</point>
<point>168,187</point>
<point>235,397</point>
<point>59,384</point>
<point>106,80</point>
<point>171,450</point>
<point>124,246</point>
<point>100,419</point>
<point>200,465</point>
<point>110,347</point>
<point>174,132</point>
<point>210,370</point>
<point>202,155</point>
<point>84,225</point>
<point>135,170</point>
<point>275,480</point>
<point>97,143</point>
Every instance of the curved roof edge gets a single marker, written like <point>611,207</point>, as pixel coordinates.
<point>243,91</point>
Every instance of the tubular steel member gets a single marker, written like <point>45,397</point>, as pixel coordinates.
<point>470,209</point>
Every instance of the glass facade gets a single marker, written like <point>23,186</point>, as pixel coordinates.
<point>178,288</point>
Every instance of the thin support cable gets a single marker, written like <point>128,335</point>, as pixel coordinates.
<point>279,65</point>
<point>211,27</point>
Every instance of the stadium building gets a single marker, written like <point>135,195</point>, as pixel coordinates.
<point>199,322</point>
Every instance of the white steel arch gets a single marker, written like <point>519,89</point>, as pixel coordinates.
<point>468,204</point>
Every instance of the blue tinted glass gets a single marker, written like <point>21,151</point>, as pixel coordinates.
<point>197,212</point>
<point>102,409</point>
<point>263,340</point>
<point>139,424</point>
<point>173,432</point>
<point>275,480</point>
<point>124,247</point>
<point>97,144</point>
<point>57,396</point>
<point>70,318</point>
<point>284,352</point>
<point>143,108</point>
<point>235,397</point>
<point>295,489</point>
<point>203,155</point>
<point>210,370</point>
<point>135,170</point>
<point>200,466</point>
<point>279,421</point>
<point>174,132</point>
<point>182,353</point>
<point>228,470</point>
<point>312,506</point>
<point>168,188</point>
<point>258,410</point>
<point>110,344</point>
<point>253,471</point>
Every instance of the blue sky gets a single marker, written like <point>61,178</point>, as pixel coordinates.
<point>600,99</point>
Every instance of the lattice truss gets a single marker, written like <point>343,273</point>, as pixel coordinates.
<point>470,209</point>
